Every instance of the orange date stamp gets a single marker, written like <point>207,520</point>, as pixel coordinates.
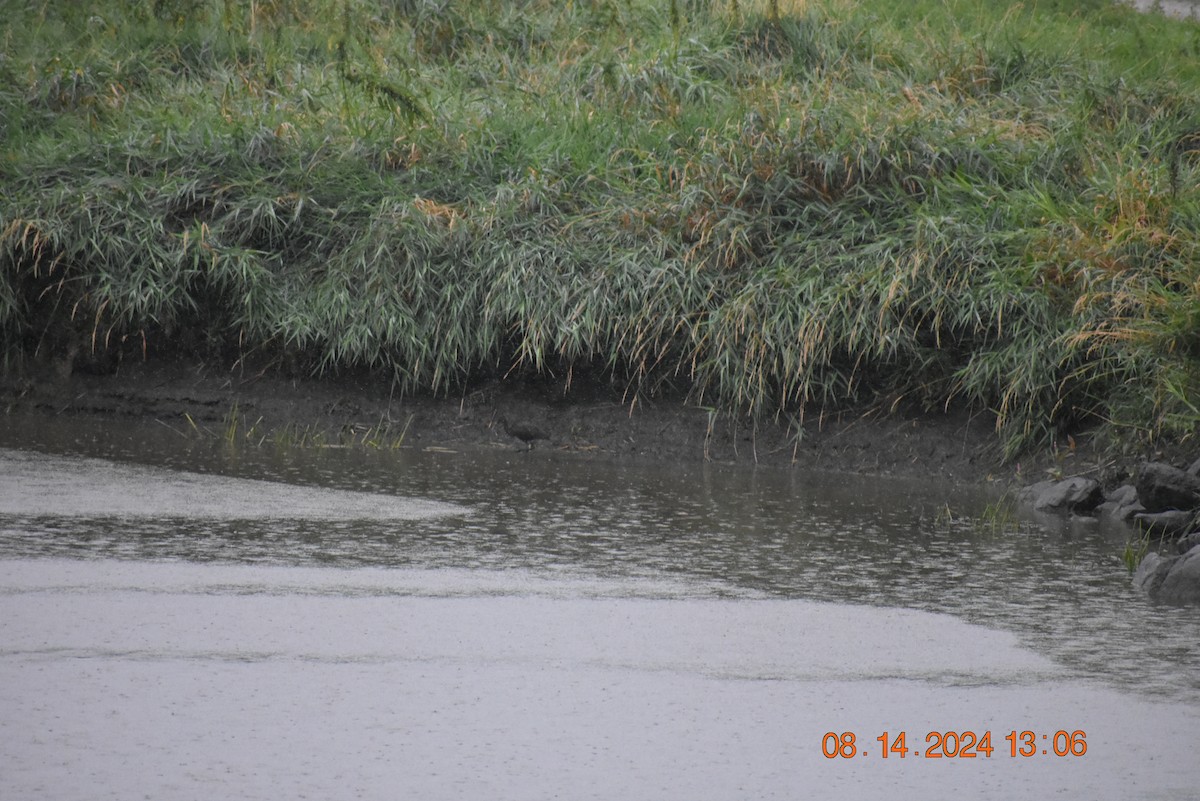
<point>956,745</point>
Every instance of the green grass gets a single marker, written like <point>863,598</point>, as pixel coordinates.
<point>1135,551</point>
<point>237,430</point>
<point>850,204</point>
<point>999,516</point>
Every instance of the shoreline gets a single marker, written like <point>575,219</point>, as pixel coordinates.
<point>589,421</point>
<point>593,426</point>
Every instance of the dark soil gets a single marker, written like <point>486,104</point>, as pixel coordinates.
<point>586,421</point>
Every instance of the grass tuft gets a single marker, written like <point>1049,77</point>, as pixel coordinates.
<point>1134,552</point>
<point>764,208</point>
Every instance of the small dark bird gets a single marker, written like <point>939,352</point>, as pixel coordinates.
<point>526,432</point>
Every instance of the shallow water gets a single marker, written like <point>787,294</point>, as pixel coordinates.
<point>178,619</point>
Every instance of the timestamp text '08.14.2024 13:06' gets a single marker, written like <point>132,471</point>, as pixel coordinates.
<point>957,745</point>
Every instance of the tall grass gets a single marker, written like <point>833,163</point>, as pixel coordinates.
<point>764,208</point>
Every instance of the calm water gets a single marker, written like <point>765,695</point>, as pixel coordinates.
<point>178,620</point>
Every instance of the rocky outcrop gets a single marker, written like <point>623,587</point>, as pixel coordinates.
<point>1078,495</point>
<point>1170,524</point>
<point>1122,503</point>
<point>1170,579</point>
<point>1171,498</point>
<point>1152,572</point>
<point>1190,541</point>
<point>1162,487</point>
<point>1164,503</point>
<point>1182,582</point>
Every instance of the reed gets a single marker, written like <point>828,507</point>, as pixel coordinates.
<point>759,208</point>
<point>1134,552</point>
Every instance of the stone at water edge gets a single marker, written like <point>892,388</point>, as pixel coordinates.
<point>1152,572</point>
<point>1076,494</point>
<point>1162,487</point>
<point>1122,503</point>
<point>1182,582</point>
<point>1189,542</point>
<point>1170,579</point>
<point>1172,523</point>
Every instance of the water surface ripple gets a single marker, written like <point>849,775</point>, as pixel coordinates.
<point>526,592</point>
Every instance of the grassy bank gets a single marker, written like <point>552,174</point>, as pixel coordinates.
<point>774,209</point>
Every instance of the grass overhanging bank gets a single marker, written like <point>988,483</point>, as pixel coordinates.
<point>771,209</point>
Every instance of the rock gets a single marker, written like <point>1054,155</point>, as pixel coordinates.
<point>1195,468</point>
<point>1034,491</point>
<point>1161,487</point>
<point>1182,582</point>
<point>1152,572</point>
<point>1174,523</point>
<point>1189,542</point>
<point>1122,503</point>
<point>1077,494</point>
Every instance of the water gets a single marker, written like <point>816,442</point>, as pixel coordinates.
<point>178,621</point>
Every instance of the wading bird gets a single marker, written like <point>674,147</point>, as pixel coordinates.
<point>526,432</point>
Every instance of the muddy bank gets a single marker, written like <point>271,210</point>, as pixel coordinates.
<point>538,420</point>
<point>586,421</point>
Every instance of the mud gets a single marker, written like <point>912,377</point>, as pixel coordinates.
<point>585,421</point>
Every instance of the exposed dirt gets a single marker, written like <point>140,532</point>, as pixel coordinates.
<point>588,422</point>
